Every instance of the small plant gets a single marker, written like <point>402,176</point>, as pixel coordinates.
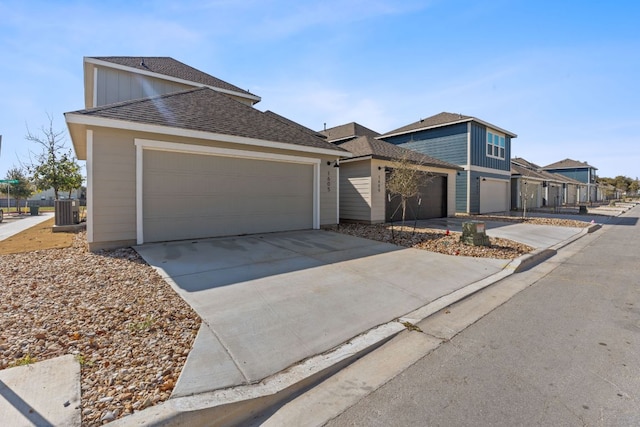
<point>142,325</point>
<point>82,361</point>
<point>24,360</point>
<point>412,327</point>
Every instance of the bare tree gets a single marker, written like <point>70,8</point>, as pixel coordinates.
<point>55,167</point>
<point>404,182</point>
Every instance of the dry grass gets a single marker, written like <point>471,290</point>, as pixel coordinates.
<point>36,238</point>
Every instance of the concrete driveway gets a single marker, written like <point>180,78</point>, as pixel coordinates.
<point>268,301</point>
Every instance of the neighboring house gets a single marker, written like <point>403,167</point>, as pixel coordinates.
<point>579,171</point>
<point>541,188</point>
<point>49,195</point>
<point>363,194</point>
<point>347,132</point>
<point>193,163</point>
<point>483,151</point>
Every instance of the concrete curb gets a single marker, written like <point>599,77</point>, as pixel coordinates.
<point>237,405</point>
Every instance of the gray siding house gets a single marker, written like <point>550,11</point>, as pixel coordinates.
<point>481,149</point>
<point>173,153</point>
<point>363,193</point>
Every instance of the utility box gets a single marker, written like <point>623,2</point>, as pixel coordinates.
<point>474,233</point>
<point>67,212</point>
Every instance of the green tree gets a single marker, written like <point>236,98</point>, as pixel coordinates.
<point>55,167</point>
<point>20,191</point>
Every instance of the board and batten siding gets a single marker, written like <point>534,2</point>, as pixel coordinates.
<point>461,192</point>
<point>113,186</point>
<point>355,191</point>
<point>117,86</point>
<point>479,149</point>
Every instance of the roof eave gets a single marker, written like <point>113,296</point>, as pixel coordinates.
<point>77,121</point>
<point>470,119</point>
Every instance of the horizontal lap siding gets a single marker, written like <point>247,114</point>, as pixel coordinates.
<point>328,192</point>
<point>447,143</point>
<point>355,191</point>
<point>113,187</point>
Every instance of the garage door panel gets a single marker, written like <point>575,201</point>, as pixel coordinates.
<point>494,196</point>
<point>192,196</point>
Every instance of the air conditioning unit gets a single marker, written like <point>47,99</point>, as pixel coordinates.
<point>67,212</point>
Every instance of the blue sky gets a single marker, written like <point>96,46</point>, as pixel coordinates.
<point>563,75</point>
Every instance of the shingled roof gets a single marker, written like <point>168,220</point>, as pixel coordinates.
<point>365,146</point>
<point>170,67</point>
<point>291,122</point>
<point>569,164</point>
<point>347,131</point>
<point>526,169</point>
<point>441,119</point>
<point>203,109</point>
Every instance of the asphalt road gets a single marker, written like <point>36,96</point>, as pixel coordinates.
<point>565,351</point>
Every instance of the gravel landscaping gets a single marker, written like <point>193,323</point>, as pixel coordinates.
<point>129,330</point>
<point>449,243</point>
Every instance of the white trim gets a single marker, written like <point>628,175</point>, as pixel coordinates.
<point>82,119</point>
<point>468,169</point>
<point>217,151</point>
<point>472,119</point>
<point>489,170</point>
<point>146,144</point>
<point>338,194</point>
<point>95,87</point>
<point>139,194</point>
<point>316,195</point>
<point>170,78</point>
<point>89,168</point>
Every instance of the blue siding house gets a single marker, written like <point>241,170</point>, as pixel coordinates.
<point>580,171</point>
<point>480,148</point>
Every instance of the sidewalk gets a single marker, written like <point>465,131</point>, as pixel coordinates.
<point>15,224</point>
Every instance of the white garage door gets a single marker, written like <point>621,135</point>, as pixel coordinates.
<point>188,196</point>
<point>494,196</point>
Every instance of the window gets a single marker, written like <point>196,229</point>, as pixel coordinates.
<point>495,145</point>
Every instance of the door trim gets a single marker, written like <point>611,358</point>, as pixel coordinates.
<point>147,144</point>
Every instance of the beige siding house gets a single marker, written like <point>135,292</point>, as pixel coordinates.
<point>363,193</point>
<point>195,163</point>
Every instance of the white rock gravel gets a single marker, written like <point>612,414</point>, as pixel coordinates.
<point>129,330</point>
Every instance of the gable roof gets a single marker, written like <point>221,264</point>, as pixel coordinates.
<point>442,119</point>
<point>569,164</point>
<point>202,110</point>
<point>366,146</point>
<point>162,66</point>
<point>519,167</point>
<point>347,131</point>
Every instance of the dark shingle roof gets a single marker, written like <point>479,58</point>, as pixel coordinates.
<point>203,109</point>
<point>346,131</point>
<point>367,146</point>
<point>292,123</point>
<point>440,119</point>
<point>568,164</point>
<point>170,67</point>
<point>522,167</point>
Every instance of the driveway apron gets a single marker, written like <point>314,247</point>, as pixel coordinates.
<point>271,300</point>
